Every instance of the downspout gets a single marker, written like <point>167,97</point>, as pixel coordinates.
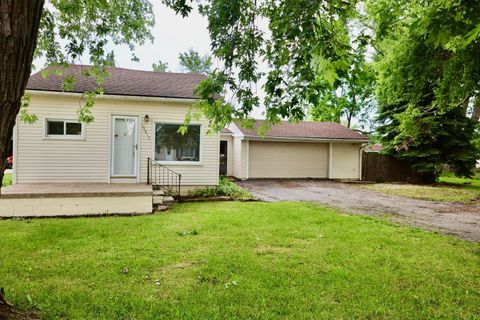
<point>247,174</point>
<point>330,160</point>
<point>360,157</point>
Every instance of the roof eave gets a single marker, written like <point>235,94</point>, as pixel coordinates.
<point>305,139</point>
<point>114,96</point>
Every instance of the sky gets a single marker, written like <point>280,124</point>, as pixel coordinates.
<point>173,35</point>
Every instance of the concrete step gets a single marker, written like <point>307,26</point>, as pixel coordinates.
<point>158,193</point>
<point>157,199</point>
<point>168,199</point>
<point>161,208</point>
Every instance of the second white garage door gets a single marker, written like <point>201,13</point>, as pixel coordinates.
<point>287,160</point>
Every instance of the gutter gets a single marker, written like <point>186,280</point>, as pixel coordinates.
<point>305,139</point>
<point>112,97</point>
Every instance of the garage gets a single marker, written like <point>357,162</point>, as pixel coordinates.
<point>269,159</point>
<point>294,150</point>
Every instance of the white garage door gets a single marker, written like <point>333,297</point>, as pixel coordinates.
<point>287,160</point>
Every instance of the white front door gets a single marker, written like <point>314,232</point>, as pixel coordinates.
<point>124,146</point>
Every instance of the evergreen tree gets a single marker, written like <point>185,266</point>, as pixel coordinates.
<point>428,81</point>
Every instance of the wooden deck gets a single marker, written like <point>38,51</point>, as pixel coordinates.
<point>74,199</point>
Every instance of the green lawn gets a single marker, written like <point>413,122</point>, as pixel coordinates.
<point>237,261</point>
<point>468,184</point>
<point>7,179</point>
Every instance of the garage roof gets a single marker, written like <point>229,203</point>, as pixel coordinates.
<point>125,82</point>
<point>303,130</point>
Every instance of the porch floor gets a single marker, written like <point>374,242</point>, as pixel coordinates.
<point>75,199</point>
<point>56,190</point>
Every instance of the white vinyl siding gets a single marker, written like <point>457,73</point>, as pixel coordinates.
<point>346,161</point>
<point>240,158</point>
<point>288,159</point>
<point>40,159</point>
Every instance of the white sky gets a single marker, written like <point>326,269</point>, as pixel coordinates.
<point>173,35</point>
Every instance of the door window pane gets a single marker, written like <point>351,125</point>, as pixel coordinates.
<point>170,145</point>
<point>124,145</point>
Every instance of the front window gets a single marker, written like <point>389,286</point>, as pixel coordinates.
<point>170,145</point>
<point>63,128</point>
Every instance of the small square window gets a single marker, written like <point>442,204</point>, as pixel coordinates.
<point>55,128</point>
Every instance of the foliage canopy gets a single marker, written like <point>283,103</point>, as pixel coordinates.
<point>428,81</point>
<point>192,62</point>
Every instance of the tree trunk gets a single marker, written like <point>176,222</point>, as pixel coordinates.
<point>476,111</point>
<point>19,23</point>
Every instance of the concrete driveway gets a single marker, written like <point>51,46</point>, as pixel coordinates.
<point>462,220</point>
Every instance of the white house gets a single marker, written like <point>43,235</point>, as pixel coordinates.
<point>135,119</point>
<point>134,140</point>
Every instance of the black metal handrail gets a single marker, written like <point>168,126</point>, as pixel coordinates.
<point>163,177</point>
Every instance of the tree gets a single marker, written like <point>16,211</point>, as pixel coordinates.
<point>300,42</point>
<point>61,32</point>
<point>350,95</point>
<point>192,62</point>
<point>18,35</point>
<point>428,81</point>
<point>160,66</point>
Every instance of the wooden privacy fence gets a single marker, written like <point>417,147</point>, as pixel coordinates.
<point>382,168</point>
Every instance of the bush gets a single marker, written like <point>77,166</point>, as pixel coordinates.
<point>225,188</point>
<point>7,179</point>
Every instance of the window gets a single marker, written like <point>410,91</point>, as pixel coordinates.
<point>170,145</point>
<point>64,128</point>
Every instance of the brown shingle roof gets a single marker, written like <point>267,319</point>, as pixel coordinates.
<point>304,129</point>
<point>125,82</point>
<point>374,148</point>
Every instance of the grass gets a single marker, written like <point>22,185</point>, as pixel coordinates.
<point>7,179</point>
<point>434,193</point>
<point>225,188</point>
<point>449,188</point>
<point>468,184</point>
<point>237,261</point>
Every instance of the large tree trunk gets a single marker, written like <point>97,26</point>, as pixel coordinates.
<point>19,23</point>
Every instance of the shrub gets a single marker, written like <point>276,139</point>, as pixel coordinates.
<point>225,188</point>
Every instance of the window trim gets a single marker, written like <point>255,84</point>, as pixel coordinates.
<point>178,163</point>
<point>63,136</point>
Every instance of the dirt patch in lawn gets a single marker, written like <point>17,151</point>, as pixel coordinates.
<point>266,249</point>
<point>9,312</point>
<point>460,219</point>
<point>182,265</point>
